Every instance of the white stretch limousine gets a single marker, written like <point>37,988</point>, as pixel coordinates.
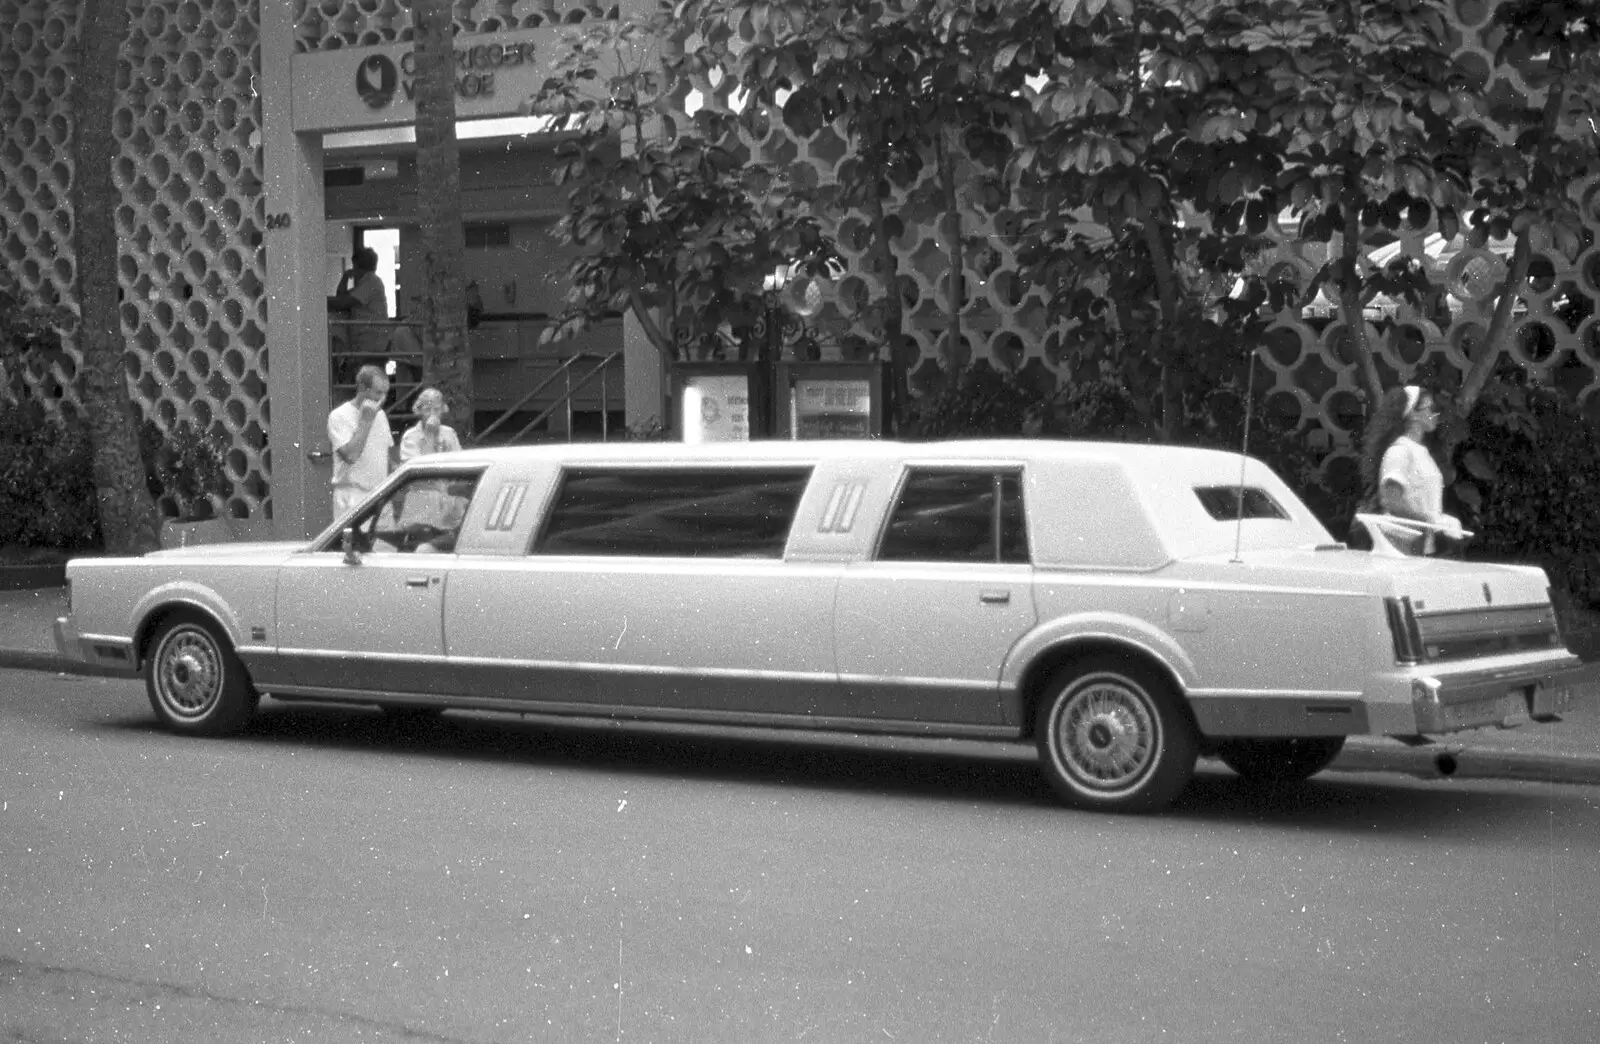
<point>1126,607</point>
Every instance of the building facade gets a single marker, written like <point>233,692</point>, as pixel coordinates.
<point>233,113</point>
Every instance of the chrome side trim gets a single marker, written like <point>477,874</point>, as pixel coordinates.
<point>628,669</point>
<point>1289,694</point>
<point>881,680</point>
<point>596,713</point>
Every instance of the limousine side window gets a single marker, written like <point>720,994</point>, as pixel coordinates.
<point>957,515</point>
<point>674,512</point>
<point>420,516</point>
<point>1227,503</point>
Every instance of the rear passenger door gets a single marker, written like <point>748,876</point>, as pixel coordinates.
<point>657,588</point>
<point>922,628</point>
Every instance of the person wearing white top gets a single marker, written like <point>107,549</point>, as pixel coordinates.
<point>430,434</point>
<point>1410,484</point>
<point>361,439</point>
<point>428,504</point>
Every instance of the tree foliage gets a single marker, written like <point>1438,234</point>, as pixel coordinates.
<point>672,216</point>
<point>1159,148</point>
<point>928,119</point>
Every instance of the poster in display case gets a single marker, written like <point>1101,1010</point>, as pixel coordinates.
<point>719,402</point>
<point>833,400</point>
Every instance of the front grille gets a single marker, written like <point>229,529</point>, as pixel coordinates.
<point>1467,634</point>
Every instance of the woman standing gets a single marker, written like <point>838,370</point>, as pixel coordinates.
<point>1401,474</point>
<point>430,434</point>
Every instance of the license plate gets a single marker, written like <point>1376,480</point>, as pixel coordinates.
<point>1506,711</point>
<point>1517,706</point>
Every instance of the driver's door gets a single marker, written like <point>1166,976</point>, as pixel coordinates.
<point>373,623</point>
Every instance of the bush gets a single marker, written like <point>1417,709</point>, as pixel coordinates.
<point>47,497</point>
<point>1528,484</point>
<point>976,401</point>
<point>183,469</point>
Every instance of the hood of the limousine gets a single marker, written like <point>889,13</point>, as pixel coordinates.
<point>254,550</point>
<point>1432,584</point>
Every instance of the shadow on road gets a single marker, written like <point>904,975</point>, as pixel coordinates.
<point>923,769</point>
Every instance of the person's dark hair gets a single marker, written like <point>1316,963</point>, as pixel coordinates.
<point>1387,423</point>
<point>366,259</point>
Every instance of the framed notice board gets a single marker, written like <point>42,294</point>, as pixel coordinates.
<point>831,400</point>
<point>720,401</point>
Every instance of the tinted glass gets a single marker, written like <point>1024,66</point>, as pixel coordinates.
<point>949,516</point>
<point>678,513</point>
<point>1222,502</point>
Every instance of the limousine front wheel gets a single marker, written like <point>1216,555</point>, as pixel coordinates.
<point>195,682</point>
<point>1112,735</point>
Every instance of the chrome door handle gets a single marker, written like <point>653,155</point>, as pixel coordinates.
<point>416,581</point>
<point>319,454</point>
<point>995,597</point>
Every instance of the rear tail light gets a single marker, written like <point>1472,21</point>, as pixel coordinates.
<point>1404,630</point>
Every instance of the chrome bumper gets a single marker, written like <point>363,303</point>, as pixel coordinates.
<point>1502,698</point>
<point>110,655</point>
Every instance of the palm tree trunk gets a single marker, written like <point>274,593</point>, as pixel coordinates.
<point>953,228</point>
<point>1355,322</point>
<point>899,407</point>
<point>1167,340</point>
<point>446,362</point>
<point>128,520</point>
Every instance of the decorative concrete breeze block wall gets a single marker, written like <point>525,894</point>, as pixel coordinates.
<point>192,267</point>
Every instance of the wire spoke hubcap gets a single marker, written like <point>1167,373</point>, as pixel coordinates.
<point>1108,735</point>
<point>189,673</point>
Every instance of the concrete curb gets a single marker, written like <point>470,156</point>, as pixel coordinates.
<point>25,660</point>
<point>1458,760</point>
<point>33,577</point>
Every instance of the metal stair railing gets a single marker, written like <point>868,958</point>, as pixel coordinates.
<point>562,371</point>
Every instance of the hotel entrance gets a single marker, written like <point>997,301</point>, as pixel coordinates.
<point>515,267</point>
<point>340,173</point>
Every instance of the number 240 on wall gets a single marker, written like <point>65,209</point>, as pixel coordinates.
<point>276,221</point>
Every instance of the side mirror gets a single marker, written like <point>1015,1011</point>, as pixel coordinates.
<point>347,544</point>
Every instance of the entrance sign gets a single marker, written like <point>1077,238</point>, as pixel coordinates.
<point>720,401</point>
<point>716,408</point>
<point>830,409</point>
<point>831,400</point>
<point>358,87</point>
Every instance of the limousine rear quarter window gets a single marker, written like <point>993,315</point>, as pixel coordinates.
<point>950,515</point>
<point>674,512</point>
<point>1222,502</point>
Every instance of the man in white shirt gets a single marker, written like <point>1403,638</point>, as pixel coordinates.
<point>362,299</point>
<point>361,439</point>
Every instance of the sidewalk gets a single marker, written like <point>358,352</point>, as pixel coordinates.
<point>1563,752</point>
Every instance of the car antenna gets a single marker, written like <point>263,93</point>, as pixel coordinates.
<point>1244,448</point>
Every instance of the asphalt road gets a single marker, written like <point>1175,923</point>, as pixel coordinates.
<point>333,877</point>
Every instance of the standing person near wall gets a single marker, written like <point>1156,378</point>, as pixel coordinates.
<point>361,293</point>
<point>430,434</point>
<point>430,508</point>
<point>361,439</point>
<point>1402,478</point>
<point>362,298</point>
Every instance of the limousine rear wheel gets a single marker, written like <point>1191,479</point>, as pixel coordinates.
<point>195,682</point>
<point>1113,735</point>
<point>1277,761</point>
